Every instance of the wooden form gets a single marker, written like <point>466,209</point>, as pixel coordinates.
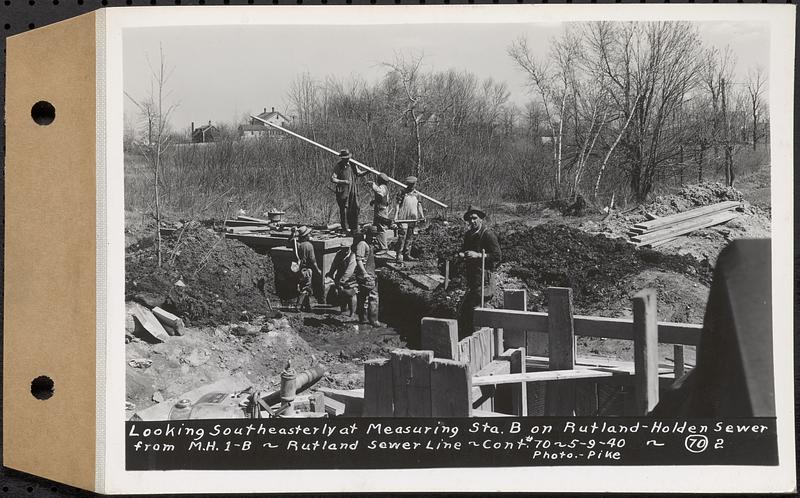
<point>562,327</point>
<point>414,384</point>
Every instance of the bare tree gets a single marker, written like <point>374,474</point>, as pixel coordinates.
<point>155,112</point>
<point>407,71</point>
<point>756,86</point>
<point>302,97</point>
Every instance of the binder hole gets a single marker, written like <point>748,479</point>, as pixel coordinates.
<point>42,387</point>
<point>29,489</point>
<point>5,489</point>
<point>43,113</point>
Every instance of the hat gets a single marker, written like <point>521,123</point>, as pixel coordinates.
<point>384,177</point>
<point>474,210</point>
<point>303,231</point>
<point>371,230</point>
<point>345,154</point>
<point>410,180</point>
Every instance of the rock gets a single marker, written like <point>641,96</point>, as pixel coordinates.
<point>158,397</point>
<point>196,358</point>
<point>179,283</point>
<point>140,362</point>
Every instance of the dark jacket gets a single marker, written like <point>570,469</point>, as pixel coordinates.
<point>483,239</point>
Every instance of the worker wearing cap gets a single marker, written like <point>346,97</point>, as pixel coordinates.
<point>365,277</point>
<point>479,240</point>
<point>380,205</point>
<point>344,177</point>
<point>408,213</point>
<point>307,262</point>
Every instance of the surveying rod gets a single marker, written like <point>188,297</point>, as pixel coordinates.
<point>301,137</point>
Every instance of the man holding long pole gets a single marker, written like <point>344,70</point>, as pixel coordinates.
<point>345,175</point>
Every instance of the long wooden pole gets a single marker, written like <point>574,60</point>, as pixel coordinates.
<point>301,137</point>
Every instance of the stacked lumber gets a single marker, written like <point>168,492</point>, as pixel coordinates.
<point>664,229</point>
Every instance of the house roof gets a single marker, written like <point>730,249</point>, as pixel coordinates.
<point>272,114</point>
<point>205,128</point>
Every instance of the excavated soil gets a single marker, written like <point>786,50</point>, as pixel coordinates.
<point>204,278</point>
<point>231,331</point>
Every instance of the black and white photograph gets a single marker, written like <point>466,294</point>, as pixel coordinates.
<point>469,243</point>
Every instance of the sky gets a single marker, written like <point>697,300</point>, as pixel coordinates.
<point>222,73</point>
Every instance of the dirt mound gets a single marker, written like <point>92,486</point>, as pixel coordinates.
<point>204,278</point>
<point>602,272</point>
<point>598,269</point>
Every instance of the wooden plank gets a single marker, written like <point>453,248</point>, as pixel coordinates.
<point>560,396</point>
<point>514,299</point>
<point>334,408</point>
<point>411,378</point>
<point>588,326</point>
<point>645,351</point>
<point>161,410</point>
<point>378,388</point>
<point>250,218</point>
<point>686,227</point>
<point>687,215</point>
<point>560,329</point>
<point>519,394</point>
<point>463,351</point>
<point>497,342</point>
<point>451,387</point>
<point>441,336</point>
<point>487,413</point>
<point>679,361</point>
<point>147,327</point>
<point>500,366</point>
<point>544,376</point>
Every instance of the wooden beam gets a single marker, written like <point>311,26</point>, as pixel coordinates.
<point>645,351</point>
<point>514,299</point>
<point>441,336</point>
<point>588,326</point>
<point>411,378</point>
<point>560,396</point>
<point>678,360</point>
<point>378,388</point>
<point>543,376</point>
<point>519,394</point>
<point>451,388</point>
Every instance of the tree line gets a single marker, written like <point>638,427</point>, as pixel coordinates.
<point>615,109</point>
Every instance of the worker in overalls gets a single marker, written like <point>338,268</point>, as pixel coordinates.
<point>342,273</point>
<point>307,263</point>
<point>366,278</point>
<point>345,176</point>
<point>380,206</point>
<point>481,254</point>
<point>408,214</point>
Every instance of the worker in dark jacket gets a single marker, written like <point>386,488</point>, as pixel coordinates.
<point>479,250</point>
<point>345,175</point>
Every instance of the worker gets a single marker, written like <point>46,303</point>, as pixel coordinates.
<point>380,219</point>
<point>307,266</point>
<point>344,177</point>
<point>365,277</point>
<point>407,215</point>
<point>480,249</point>
<point>342,273</point>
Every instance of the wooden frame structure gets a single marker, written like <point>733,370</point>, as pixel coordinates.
<point>490,372</point>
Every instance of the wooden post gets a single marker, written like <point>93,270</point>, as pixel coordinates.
<point>451,389</point>
<point>515,299</point>
<point>645,351</point>
<point>441,336</point>
<point>446,273</point>
<point>560,395</point>
<point>679,362</point>
<point>378,388</point>
<point>519,392</point>
<point>411,378</point>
